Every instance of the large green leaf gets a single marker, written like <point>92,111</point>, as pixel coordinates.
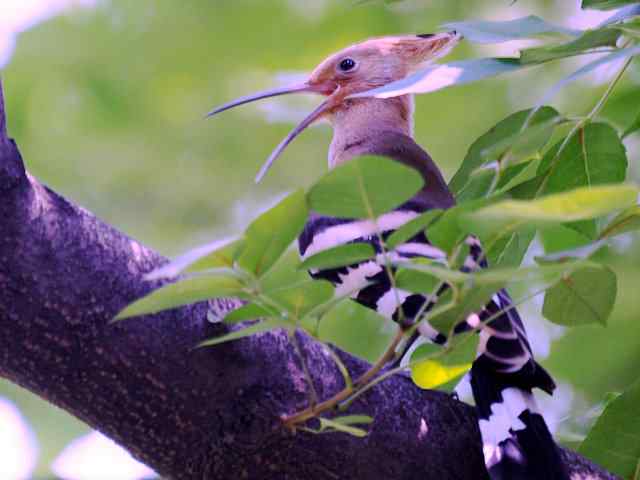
<point>356,329</point>
<point>499,138</point>
<point>589,40</point>
<point>585,296</point>
<point>482,31</point>
<point>614,440</point>
<point>626,221</point>
<point>271,233</point>
<point>206,257</point>
<point>594,156</point>
<point>579,204</point>
<point>341,256</point>
<point>607,4</point>
<point>364,187</point>
<point>183,292</point>
<point>437,77</point>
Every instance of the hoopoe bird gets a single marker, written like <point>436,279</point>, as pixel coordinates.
<point>517,443</point>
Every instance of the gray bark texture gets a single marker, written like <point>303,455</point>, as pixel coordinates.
<point>209,413</point>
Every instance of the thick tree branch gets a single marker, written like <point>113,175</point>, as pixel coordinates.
<point>190,414</point>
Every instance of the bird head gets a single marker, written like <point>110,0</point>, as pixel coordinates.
<point>358,68</point>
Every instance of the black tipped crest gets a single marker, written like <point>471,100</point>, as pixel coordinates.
<point>426,35</point>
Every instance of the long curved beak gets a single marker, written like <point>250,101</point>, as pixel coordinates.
<point>303,87</point>
<point>308,120</point>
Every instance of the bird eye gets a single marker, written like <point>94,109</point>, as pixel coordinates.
<point>347,64</point>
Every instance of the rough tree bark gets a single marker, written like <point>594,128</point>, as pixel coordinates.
<point>204,414</point>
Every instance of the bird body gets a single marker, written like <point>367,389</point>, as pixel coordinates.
<point>516,441</point>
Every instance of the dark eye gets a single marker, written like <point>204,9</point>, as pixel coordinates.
<point>347,64</point>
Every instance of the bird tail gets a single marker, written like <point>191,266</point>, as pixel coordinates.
<point>517,444</point>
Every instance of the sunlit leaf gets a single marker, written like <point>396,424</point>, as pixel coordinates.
<point>626,221</point>
<point>365,187</point>
<point>498,139</point>
<point>437,77</point>
<point>481,31</point>
<point>614,440</point>
<point>412,228</point>
<point>259,327</point>
<point>578,204</point>
<point>589,40</point>
<point>183,292</point>
<point>206,257</point>
<point>585,296</point>
<point>437,367</point>
<point>340,256</point>
<point>432,374</point>
<point>271,233</point>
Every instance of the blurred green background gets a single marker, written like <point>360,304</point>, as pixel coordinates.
<point>107,106</point>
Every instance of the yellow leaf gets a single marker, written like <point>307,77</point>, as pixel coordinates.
<point>432,374</point>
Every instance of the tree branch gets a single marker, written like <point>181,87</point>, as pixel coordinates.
<point>191,414</point>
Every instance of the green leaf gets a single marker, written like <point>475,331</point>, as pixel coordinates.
<point>299,299</point>
<point>271,233</point>
<point>614,440</point>
<point>626,221</point>
<point>449,229</point>
<point>496,32</point>
<point>498,139</point>
<point>327,424</point>
<point>341,256</point>
<point>206,257</point>
<point>585,296</point>
<point>259,327</point>
<point>412,228</point>
<point>353,420</point>
<point>558,238</point>
<point>478,185</point>
<point>416,281</point>
<point>589,40</point>
<point>509,250</point>
<point>365,187</point>
<point>183,292</point>
<point>437,77</point>
<point>634,127</point>
<point>594,156</point>
<point>356,329</point>
<point>579,204</point>
<point>516,175</point>
<point>430,374</point>
<point>249,311</point>
<point>606,4</point>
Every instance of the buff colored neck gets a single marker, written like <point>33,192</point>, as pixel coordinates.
<point>359,120</point>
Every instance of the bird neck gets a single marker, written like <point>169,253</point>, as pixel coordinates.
<point>357,121</point>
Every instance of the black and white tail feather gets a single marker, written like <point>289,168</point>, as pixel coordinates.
<point>516,441</point>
